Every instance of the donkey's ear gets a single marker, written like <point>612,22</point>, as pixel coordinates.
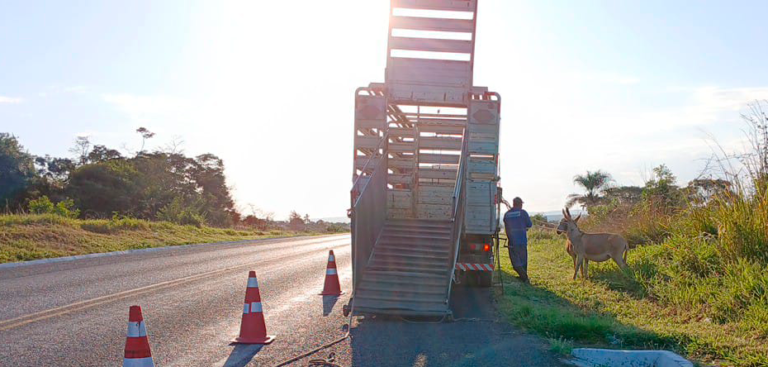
<point>577,218</point>
<point>565,215</point>
<point>568,211</point>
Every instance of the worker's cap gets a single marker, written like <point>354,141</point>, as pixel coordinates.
<point>517,200</point>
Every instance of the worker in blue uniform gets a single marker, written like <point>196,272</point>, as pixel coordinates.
<point>516,224</point>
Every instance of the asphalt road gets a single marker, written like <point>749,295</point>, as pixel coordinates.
<point>74,313</point>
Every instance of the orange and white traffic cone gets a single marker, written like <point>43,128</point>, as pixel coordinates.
<point>332,286</point>
<point>253,329</point>
<point>137,352</point>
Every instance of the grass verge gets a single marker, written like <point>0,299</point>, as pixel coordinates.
<point>32,237</point>
<point>615,310</point>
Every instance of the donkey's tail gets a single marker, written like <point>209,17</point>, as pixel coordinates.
<point>626,251</point>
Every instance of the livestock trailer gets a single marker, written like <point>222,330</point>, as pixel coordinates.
<point>425,196</point>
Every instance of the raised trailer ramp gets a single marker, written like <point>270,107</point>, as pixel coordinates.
<point>421,139</point>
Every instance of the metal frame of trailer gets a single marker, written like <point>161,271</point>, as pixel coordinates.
<point>425,169</point>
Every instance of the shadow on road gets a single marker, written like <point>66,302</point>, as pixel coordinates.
<point>328,303</point>
<point>473,340</point>
<point>242,354</point>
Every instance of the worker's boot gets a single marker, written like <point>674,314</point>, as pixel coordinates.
<point>525,271</point>
<point>523,274</point>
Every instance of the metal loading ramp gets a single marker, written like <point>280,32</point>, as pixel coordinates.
<point>407,272</point>
<point>422,139</point>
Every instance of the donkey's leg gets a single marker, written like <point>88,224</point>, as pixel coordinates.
<point>619,260</point>
<point>579,263</point>
<point>574,262</point>
<point>585,270</point>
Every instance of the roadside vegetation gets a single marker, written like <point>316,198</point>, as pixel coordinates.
<point>102,199</point>
<point>698,277</point>
<point>42,236</point>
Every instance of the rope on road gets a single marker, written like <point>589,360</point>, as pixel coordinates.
<point>325,362</point>
<point>329,362</point>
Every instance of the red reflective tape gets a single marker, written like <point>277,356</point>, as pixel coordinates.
<point>137,348</point>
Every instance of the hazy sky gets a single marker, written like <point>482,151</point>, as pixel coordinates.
<point>268,86</point>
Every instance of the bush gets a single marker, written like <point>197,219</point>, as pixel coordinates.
<point>180,213</point>
<point>336,228</point>
<point>742,223</point>
<point>41,205</point>
<point>66,208</point>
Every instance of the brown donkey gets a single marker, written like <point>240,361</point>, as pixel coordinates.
<point>591,246</point>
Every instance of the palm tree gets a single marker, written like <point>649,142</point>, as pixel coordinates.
<point>593,183</point>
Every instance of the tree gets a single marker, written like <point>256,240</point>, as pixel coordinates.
<point>101,189</point>
<point>56,169</point>
<point>702,190</point>
<point>81,149</point>
<point>100,153</point>
<point>52,178</point>
<point>253,221</point>
<point>17,170</point>
<point>295,221</point>
<point>145,135</point>
<point>539,219</point>
<point>661,189</point>
<point>629,195</point>
<point>593,183</point>
<point>208,172</point>
<point>101,182</point>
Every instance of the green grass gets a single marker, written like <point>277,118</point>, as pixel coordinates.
<point>32,237</point>
<point>561,346</point>
<point>707,314</point>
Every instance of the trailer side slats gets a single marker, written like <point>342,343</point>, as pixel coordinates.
<point>433,45</point>
<point>444,173</point>
<point>432,24</point>
<point>448,5</point>
<point>440,143</point>
<point>439,158</point>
